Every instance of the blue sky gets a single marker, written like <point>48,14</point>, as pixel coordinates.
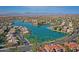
<point>40,9</point>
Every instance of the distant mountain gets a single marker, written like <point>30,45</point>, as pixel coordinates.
<point>10,14</point>
<point>28,14</point>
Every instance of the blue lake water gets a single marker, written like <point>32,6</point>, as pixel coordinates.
<point>41,32</point>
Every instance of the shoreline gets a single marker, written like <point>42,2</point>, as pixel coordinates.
<point>54,40</point>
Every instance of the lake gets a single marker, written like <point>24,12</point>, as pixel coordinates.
<point>40,32</point>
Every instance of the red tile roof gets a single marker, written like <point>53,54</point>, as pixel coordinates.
<point>72,45</point>
<point>49,47</point>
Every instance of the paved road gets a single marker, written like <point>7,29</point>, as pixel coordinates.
<point>25,41</point>
<point>21,48</point>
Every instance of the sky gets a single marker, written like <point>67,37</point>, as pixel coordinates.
<point>39,9</point>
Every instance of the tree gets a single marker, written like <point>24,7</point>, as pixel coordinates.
<point>2,38</point>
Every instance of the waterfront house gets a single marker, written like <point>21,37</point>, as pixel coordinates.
<point>52,48</point>
<point>72,46</point>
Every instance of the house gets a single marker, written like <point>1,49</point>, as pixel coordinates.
<point>57,48</point>
<point>35,22</point>
<point>24,30</point>
<point>72,46</point>
<point>52,48</point>
<point>1,31</point>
